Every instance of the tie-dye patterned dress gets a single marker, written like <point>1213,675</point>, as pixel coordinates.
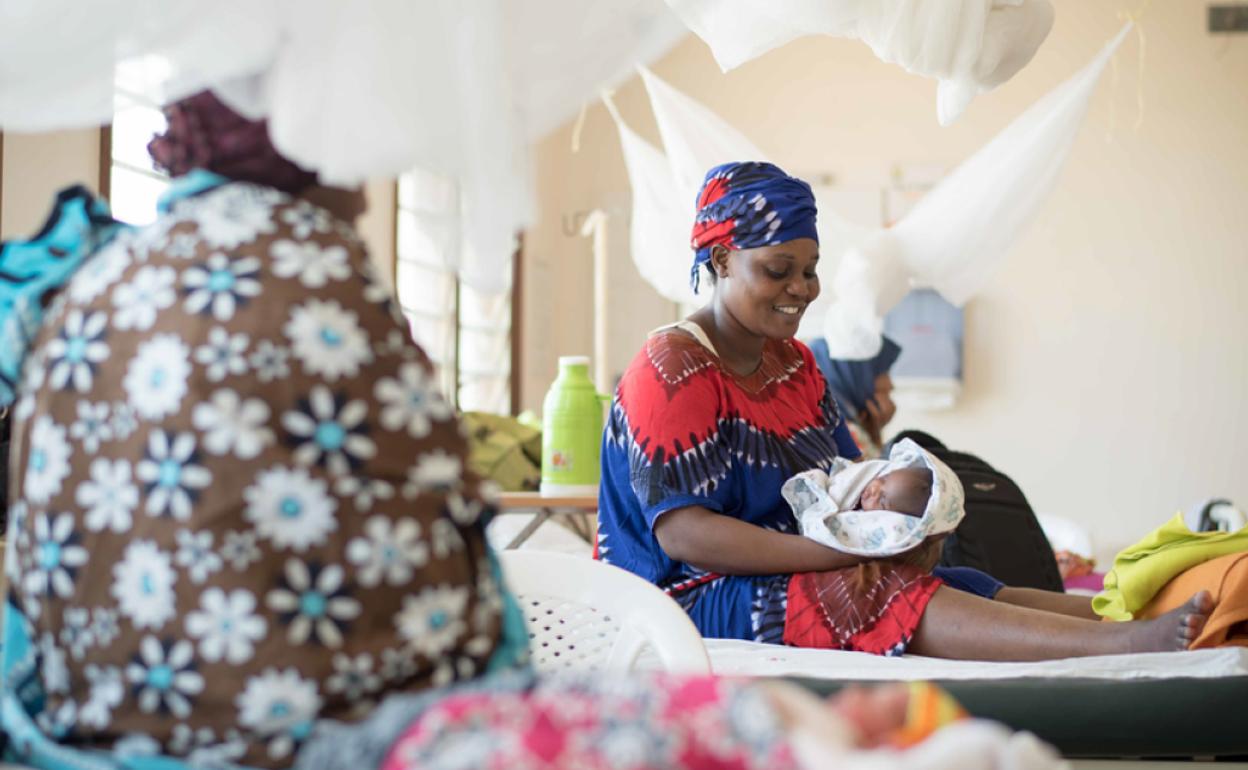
<point>686,431</point>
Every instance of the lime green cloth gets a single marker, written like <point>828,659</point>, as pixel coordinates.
<point>505,450</point>
<point>1143,569</point>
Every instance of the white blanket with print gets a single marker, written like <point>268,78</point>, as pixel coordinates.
<point>824,504</point>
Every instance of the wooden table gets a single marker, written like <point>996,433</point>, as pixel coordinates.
<point>578,511</point>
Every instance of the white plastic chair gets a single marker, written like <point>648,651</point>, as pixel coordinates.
<point>586,615</point>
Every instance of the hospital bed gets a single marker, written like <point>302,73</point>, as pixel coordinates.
<point>1182,705</point>
<point>1188,705</point>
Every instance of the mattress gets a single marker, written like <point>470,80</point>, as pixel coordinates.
<point>1165,705</point>
<point>731,657</point>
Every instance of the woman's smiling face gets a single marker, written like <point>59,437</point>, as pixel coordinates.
<point>767,289</point>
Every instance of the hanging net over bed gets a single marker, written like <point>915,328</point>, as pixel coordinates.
<point>950,240</point>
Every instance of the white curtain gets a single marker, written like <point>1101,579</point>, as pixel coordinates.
<point>951,240</point>
<point>665,187</point>
<point>661,219</point>
<point>356,90</point>
<point>484,351</point>
<point>969,45</point>
<point>466,332</point>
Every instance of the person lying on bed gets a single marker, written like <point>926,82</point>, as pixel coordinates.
<point>717,411</point>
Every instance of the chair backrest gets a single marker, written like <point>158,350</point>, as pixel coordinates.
<point>586,615</point>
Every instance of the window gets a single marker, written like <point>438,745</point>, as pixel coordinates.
<point>132,184</point>
<point>467,334</point>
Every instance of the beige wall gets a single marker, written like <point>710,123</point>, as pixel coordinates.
<point>1106,361</point>
<point>36,166</point>
<point>376,227</point>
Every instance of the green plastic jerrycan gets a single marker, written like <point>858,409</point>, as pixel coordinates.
<point>571,431</point>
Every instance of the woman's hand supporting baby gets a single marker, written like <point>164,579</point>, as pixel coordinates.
<point>727,546</point>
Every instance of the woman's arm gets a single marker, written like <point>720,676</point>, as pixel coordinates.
<point>728,546</point>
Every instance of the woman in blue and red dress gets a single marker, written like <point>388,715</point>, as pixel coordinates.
<point>717,411</point>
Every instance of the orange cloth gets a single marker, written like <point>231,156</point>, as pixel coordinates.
<point>1226,578</point>
<point>928,709</point>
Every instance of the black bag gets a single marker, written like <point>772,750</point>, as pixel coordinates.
<point>1000,534</point>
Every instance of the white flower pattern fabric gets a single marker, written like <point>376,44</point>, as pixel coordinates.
<point>281,707</point>
<point>221,285</point>
<point>137,303</point>
<point>143,585</point>
<point>47,465</point>
<point>224,354</point>
<point>330,431</point>
<point>242,505</point>
<point>824,504</point>
<point>391,551</point>
<point>58,556</point>
<point>156,378</point>
<point>313,265</point>
<point>98,273</point>
<point>327,340</point>
<point>93,426</point>
<point>226,625</point>
<point>109,497</point>
<point>196,555</point>
<point>77,351</point>
<point>172,474</point>
<point>290,508</point>
<point>164,676</point>
<point>409,402</point>
<point>232,425</point>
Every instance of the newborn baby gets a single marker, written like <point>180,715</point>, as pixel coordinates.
<point>905,490</point>
<point>878,507</point>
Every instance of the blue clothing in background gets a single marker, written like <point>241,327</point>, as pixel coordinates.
<point>853,382</point>
<point>970,580</point>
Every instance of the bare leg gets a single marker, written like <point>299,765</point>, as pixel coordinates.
<point>1050,601</point>
<point>967,627</point>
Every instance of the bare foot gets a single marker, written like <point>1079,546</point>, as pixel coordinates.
<point>1176,630</point>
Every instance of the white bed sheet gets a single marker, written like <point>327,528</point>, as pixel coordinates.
<point>733,657</point>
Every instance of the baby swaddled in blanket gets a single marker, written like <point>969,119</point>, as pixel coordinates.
<point>880,508</point>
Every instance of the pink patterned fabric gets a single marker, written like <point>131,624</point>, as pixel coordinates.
<point>648,721</point>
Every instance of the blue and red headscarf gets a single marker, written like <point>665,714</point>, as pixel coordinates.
<point>747,205</point>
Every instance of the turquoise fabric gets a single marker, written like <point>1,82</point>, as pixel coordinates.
<point>33,269</point>
<point>22,703</point>
<point>79,225</point>
<point>513,646</point>
<point>196,182</point>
